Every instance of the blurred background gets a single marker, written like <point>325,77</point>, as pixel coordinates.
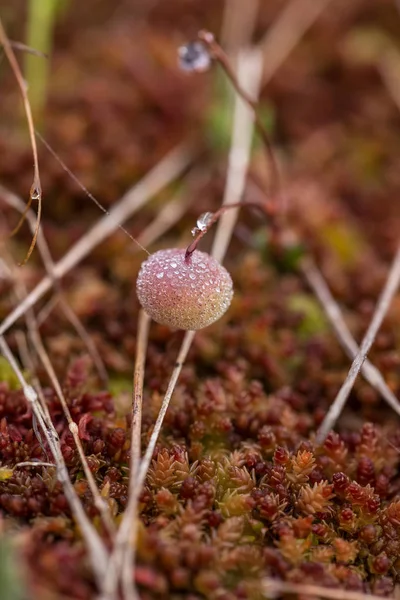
<point>111,99</point>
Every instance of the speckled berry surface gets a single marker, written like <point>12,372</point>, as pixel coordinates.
<point>184,295</point>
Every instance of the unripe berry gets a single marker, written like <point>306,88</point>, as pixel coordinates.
<point>184,293</point>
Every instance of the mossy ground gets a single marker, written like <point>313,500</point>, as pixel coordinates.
<point>238,490</point>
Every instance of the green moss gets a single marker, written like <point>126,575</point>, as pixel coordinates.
<point>313,320</point>
<point>10,573</point>
<point>7,375</point>
<point>345,242</point>
<point>41,21</point>
<point>219,116</point>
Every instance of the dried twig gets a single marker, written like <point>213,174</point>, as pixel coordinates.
<point>287,30</point>
<point>332,310</point>
<point>172,212</point>
<point>31,463</point>
<point>48,262</point>
<point>161,175</point>
<point>36,188</point>
<point>85,190</point>
<point>391,286</point>
<point>99,502</point>
<point>25,48</point>
<point>249,68</point>
<point>47,309</point>
<point>41,352</point>
<point>136,430</point>
<point>168,216</point>
<point>274,588</point>
<point>238,24</point>
<point>122,538</point>
<point>27,360</point>
<point>95,546</point>
<point>219,55</point>
<point>180,361</point>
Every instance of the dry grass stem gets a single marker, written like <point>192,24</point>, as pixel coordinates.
<point>168,169</point>
<point>99,502</point>
<point>47,309</point>
<point>136,430</point>
<point>42,354</point>
<point>31,463</point>
<point>148,455</point>
<point>285,33</point>
<point>219,55</point>
<point>24,48</point>
<point>274,588</point>
<point>168,216</point>
<point>95,546</point>
<point>242,138</point>
<point>332,310</point>
<point>36,188</point>
<point>391,286</point>
<point>28,362</point>
<point>48,262</point>
<point>84,335</point>
<point>238,24</point>
<point>123,535</point>
<point>249,67</point>
<point>85,190</point>
<point>173,211</point>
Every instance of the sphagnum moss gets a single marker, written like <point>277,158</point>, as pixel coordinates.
<point>242,470</point>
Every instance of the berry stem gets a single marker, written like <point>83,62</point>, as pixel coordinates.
<point>219,55</point>
<point>192,247</point>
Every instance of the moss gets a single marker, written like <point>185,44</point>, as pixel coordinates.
<point>11,577</point>
<point>313,320</point>
<point>7,375</point>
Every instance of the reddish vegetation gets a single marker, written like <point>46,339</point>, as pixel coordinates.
<point>238,489</point>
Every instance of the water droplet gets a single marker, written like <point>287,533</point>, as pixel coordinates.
<point>173,265</point>
<point>160,275</point>
<point>36,192</point>
<point>194,57</point>
<point>204,220</point>
<point>192,276</point>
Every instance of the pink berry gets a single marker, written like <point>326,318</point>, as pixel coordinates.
<point>184,294</point>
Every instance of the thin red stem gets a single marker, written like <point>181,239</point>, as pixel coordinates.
<point>192,247</point>
<point>219,55</point>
